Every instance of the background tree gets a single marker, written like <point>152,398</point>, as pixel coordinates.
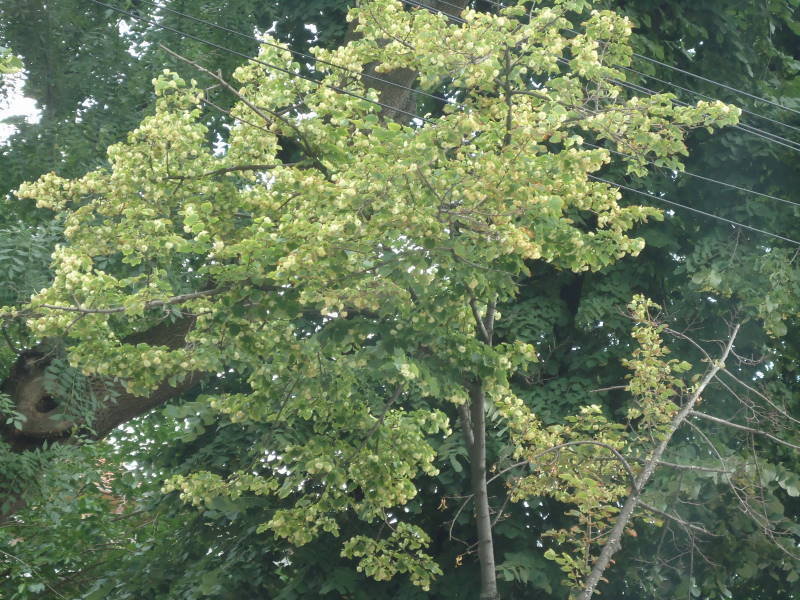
<point>568,309</point>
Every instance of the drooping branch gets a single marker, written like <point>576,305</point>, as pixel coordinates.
<point>83,310</point>
<point>224,171</point>
<point>613,543</point>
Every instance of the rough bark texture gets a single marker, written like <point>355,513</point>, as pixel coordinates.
<point>395,86</point>
<point>25,386</point>
<point>25,382</point>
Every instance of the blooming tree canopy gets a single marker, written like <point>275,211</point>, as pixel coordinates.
<point>348,261</point>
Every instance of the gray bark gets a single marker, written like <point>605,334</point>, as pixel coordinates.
<point>613,542</point>
<point>483,517</point>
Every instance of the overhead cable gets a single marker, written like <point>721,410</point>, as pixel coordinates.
<point>694,210</point>
<point>766,135</point>
<point>442,99</point>
<point>698,176</point>
<point>347,92</point>
<point>259,61</point>
<point>304,55</point>
<point>694,75</point>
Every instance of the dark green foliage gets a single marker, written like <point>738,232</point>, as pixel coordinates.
<point>91,77</point>
<point>24,260</point>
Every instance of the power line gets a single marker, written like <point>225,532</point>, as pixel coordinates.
<point>692,209</point>
<point>304,55</point>
<point>436,10</point>
<point>695,76</point>
<point>259,61</point>
<point>717,83</point>
<point>440,98</point>
<point>707,80</point>
<point>786,142</point>
<point>347,92</point>
<point>743,127</point>
<point>770,137</point>
<point>766,135</point>
<point>698,176</point>
<point>706,97</point>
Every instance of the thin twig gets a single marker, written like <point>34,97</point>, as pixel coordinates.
<point>261,113</point>
<point>664,463</point>
<point>749,388</point>
<point>225,170</point>
<point>264,113</point>
<point>609,389</point>
<point>152,304</point>
<point>677,519</point>
<point>30,568</point>
<point>395,397</point>
<point>733,425</point>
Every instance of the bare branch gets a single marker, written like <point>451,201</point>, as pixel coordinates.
<point>609,389</point>
<point>677,519</point>
<point>766,399</point>
<point>713,419</point>
<point>226,170</point>
<point>152,304</point>
<point>622,460</point>
<point>491,310</point>
<point>664,463</point>
<point>613,541</point>
<point>261,113</point>
<point>264,114</point>
<point>473,304</point>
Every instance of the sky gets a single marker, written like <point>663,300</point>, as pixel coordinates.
<point>14,106</point>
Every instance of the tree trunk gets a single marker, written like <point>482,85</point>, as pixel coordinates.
<point>483,518</point>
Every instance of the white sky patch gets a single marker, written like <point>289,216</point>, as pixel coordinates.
<point>15,106</point>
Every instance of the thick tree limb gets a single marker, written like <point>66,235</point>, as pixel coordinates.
<point>25,386</point>
<point>25,383</point>
<point>396,87</point>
